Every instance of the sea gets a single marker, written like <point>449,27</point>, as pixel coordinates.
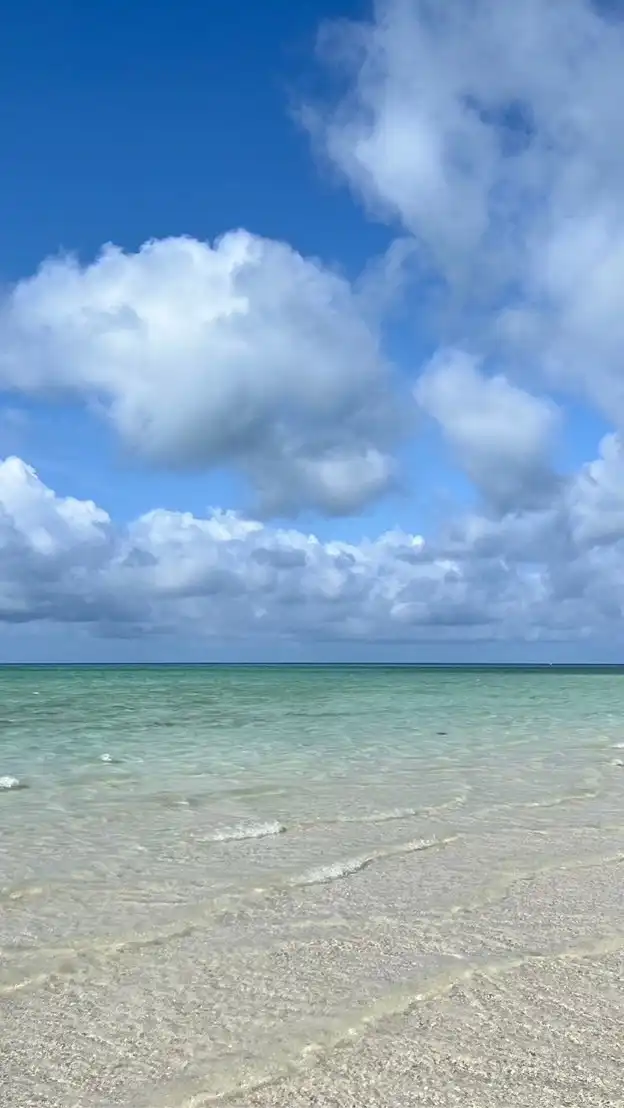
<point>311,885</point>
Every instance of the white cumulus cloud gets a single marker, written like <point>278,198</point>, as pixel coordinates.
<point>543,572</point>
<point>487,134</point>
<point>502,436</point>
<point>491,131</point>
<point>241,353</point>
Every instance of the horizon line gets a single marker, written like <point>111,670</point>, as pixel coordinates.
<point>309,665</point>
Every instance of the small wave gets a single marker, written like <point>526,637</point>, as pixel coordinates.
<point>618,746</point>
<point>527,805</point>
<point>387,815</point>
<point>447,805</point>
<point>560,801</point>
<point>7,783</point>
<point>249,831</point>
<point>334,871</point>
<point>380,817</point>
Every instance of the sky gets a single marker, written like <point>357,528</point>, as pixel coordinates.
<point>312,331</point>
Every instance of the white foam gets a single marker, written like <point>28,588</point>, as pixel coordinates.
<point>249,831</point>
<point>333,872</point>
<point>10,783</point>
<point>618,746</point>
<point>345,868</point>
<point>380,817</point>
<point>106,758</point>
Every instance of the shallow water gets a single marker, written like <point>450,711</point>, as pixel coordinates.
<point>212,875</point>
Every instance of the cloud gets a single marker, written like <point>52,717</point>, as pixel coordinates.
<point>490,132</point>
<point>242,353</point>
<point>546,572</point>
<point>486,134</point>
<point>51,549</point>
<point>595,500</point>
<point>501,435</point>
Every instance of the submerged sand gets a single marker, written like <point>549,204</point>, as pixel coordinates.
<point>463,957</point>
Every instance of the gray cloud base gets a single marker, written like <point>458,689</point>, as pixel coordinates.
<point>548,572</point>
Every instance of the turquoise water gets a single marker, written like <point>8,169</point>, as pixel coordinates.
<point>325,736</point>
<point>249,720</point>
<point>222,803</point>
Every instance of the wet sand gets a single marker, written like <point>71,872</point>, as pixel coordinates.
<point>481,966</point>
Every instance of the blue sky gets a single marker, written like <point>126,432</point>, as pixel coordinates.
<point>129,122</point>
<point>501,379</point>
